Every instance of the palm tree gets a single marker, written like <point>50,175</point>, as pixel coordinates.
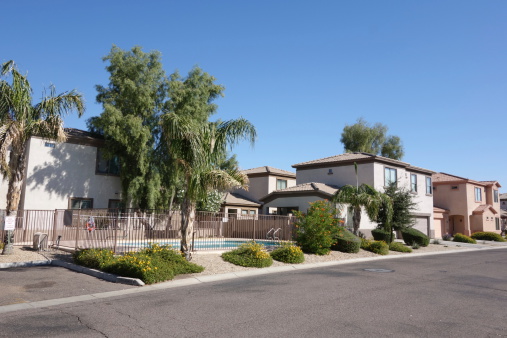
<point>363,196</point>
<point>20,120</point>
<point>196,149</point>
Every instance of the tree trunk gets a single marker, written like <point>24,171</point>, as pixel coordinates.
<point>356,219</point>
<point>17,166</point>
<point>187,226</point>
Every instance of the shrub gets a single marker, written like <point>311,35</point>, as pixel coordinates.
<point>447,237</point>
<point>250,254</point>
<point>288,254</point>
<point>400,247</point>
<point>378,247</point>
<point>346,241</point>
<point>415,245</point>
<point>93,258</point>
<point>436,241</point>
<point>2,245</point>
<point>488,236</point>
<point>411,236</point>
<point>382,235</point>
<point>464,239</point>
<point>173,258</point>
<point>315,231</point>
<point>150,269</point>
<point>365,243</point>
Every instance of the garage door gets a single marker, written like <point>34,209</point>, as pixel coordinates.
<point>421,224</point>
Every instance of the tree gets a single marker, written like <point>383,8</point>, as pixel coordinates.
<point>196,147</point>
<point>20,120</point>
<point>361,197</point>
<point>403,206</point>
<point>130,122</point>
<point>361,137</point>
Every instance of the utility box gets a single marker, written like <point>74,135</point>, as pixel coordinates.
<point>40,241</point>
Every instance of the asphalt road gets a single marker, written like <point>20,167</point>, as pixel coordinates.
<point>452,295</point>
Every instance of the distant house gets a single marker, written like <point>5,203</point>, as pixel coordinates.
<point>470,205</point>
<point>262,181</point>
<point>321,178</point>
<point>68,175</point>
<point>503,212</point>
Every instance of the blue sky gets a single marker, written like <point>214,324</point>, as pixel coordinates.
<point>434,72</point>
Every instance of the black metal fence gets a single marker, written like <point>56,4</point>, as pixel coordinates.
<point>130,230</point>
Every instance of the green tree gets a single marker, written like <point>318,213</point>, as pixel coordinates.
<point>362,137</point>
<point>133,103</point>
<point>196,148</point>
<point>403,206</point>
<point>20,120</point>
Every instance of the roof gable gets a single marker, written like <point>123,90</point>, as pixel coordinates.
<point>268,171</point>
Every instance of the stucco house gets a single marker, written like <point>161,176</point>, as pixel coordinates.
<point>503,212</point>
<point>262,181</point>
<point>320,179</point>
<point>469,206</point>
<point>68,175</point>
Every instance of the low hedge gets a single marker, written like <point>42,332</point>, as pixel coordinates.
<point>346,241</point>
<point>411,236</point>
<point>93,258</point>
<point>464,239</point>
<point>400,247</point>
<point>378,247</point>
<point>382,235</point>
<point>250,254</point>
<point>487,236</point>
<point>288,254</point>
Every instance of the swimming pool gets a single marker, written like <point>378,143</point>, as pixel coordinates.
<point>203,244</point>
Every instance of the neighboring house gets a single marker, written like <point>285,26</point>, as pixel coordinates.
<point>503,212</point>
<point>68,175</point>
<point>324,176</point>
<point>262,181</point>
<point>471,206</point>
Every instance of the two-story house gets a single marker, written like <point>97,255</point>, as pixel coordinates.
<point>471,206</point>
<point>68,175</point>
<point>262,181</point>
<point>320,179</point>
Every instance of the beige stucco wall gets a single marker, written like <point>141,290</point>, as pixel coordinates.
<point>302,202</point>
<point>54,175</point>
<point>342,175</point>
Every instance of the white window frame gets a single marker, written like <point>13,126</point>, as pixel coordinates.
<point>413,183</point>
<point>478,194</point>
<point>278,183</point>
<point>388,176</point>
<point>429,187</point>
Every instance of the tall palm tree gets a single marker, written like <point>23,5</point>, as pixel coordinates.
<point>196,149</point>
<point>20,120</point>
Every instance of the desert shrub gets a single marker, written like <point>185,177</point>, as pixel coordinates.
<point>288,253</point>
<point>382,235</point>
<point>378,247</point>
<point>463,239</point>
<point>250,254</point>
<point>447,237</point>
<point>436,241</point>
<point>173,258</point>
<point>346,241</point>
<point>93,258</point>
<point>415,245</point>
<point>411,236</point>
<point>487,236</point>
<point>316,230</point>
<point>365,243</point>
<point>400,247</point>
<point>2,245</point>
<point>149,269</point>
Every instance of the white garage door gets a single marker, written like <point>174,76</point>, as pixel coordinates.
<point>421,224</point>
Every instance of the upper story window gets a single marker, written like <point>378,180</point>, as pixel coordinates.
<point>495,196</point>
<point>389,176</point>
<point>81,203</point>
<point>478,194</point>
<point>413,182</point>
<point>107,166</point>
<point>429,188</point>
<point>281,184</point>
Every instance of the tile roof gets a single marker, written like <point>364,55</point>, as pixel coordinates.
<point>238,199</point>
<point>481,208</point>
<point>442,210</point>
<point>443,177</point>
<point>313,187</point>
<point>503,196</point>
<point>359,157</point>
<point>269,170</point>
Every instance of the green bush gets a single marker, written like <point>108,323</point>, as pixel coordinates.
<point>488,236</point>
<point>93,258</point>
<point>316,230</point>
<point>400,247</point>
<point>463,239</point>
<point>382,235</point>
<point>346,241</point>
<point>2,245</point>
<point>288,254</point>
<point>173,258</point>
<point>365,243</point>
<point>378,247</point>
<point>411,236</point>
<point>250,254</point>
<point>149,269</point>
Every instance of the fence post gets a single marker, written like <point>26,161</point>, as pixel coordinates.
<point>77,228</point>
<point>55,216</point>
<point>116,230</point>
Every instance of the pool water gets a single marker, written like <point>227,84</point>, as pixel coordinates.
<point>203,244</point>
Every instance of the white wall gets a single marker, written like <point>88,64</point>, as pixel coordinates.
<point>342,175</point>
<point>54,175</point>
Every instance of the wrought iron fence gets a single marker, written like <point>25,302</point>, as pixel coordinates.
<point>130,230</point>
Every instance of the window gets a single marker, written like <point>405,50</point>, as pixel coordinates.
<point>478,194</point>
<point>497,223</point>
<point>413,182</point>
<point>281,184</point>
<point>105,166</point>
<point>495,195</point>
<point>247,212</point>
<point>80,203</point>
<point>389,176</point>
<point>114,204</point>
<point>49,145</point>
<point>429,189</point>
